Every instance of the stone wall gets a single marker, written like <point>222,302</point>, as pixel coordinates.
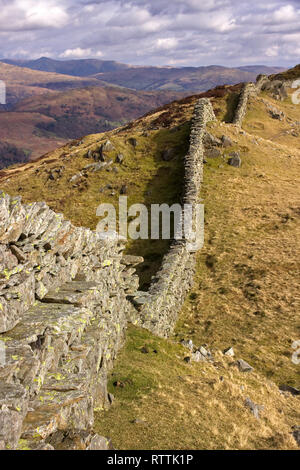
<point>277,88</point>
<point>157,309</point>
<point>64,307</point>
<point>248,90</point>
<point>63,311</point>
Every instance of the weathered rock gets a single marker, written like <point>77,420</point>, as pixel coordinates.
<point>76,178</point>
<point>296,434</point>
<point>235,160</point>
<point>292,390</point>
<point>130,260</point>
<point>255,409</point>
<point>210,140</point>
<point>244,366</point>
<point>188,344</point>
<point>79,440</point>
<point>120,158</point>
<point>107,147</point>
<point>229,352</point>
<point>226,141</point>
<point>212,153</point>
<point>276,113</point>
<point>13,408</point>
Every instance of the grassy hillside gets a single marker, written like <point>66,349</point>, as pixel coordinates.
<point>245,293</point>
<point>291,74</point>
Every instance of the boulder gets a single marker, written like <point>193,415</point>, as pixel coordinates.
<point>235,160</point>
<point>211,141</point>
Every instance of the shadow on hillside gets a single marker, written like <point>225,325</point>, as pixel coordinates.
<point>231,105</point>
<point>165,187</point>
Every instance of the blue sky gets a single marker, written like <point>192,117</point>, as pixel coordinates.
<point>153,32</point>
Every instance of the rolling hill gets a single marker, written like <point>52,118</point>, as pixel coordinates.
<point>46,109</point>
<point>245,290</point>
<point>76,68</point>
<point>194,79</point>
<point>182,79</point>
<point>22,82</point>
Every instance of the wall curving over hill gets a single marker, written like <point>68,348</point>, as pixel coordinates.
<point>64,307</point>
<point>157,309</point>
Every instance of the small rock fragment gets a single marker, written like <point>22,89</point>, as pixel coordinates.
<point>244,366</point>
<point>229,352</point>
<point>255,409</point>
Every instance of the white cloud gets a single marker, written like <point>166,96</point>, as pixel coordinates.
<point>166,43</point>
<point>272,51</point>
<point>79,53</point>
<point>285,14</point>
<point>75,53</point>
<point>31,14</point>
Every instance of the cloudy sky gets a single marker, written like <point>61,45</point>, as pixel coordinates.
<point>153,32</point>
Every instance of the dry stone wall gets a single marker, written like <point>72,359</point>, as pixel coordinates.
<point>248,90</point>
<point>63,311</point>
<point>157,309</point>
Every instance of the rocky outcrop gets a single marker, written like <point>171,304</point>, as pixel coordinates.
<point>157,309</point>
<point>63,311</point>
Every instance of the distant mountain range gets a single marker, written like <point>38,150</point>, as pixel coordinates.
<point>184,79</point>
<point>76,68</point>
